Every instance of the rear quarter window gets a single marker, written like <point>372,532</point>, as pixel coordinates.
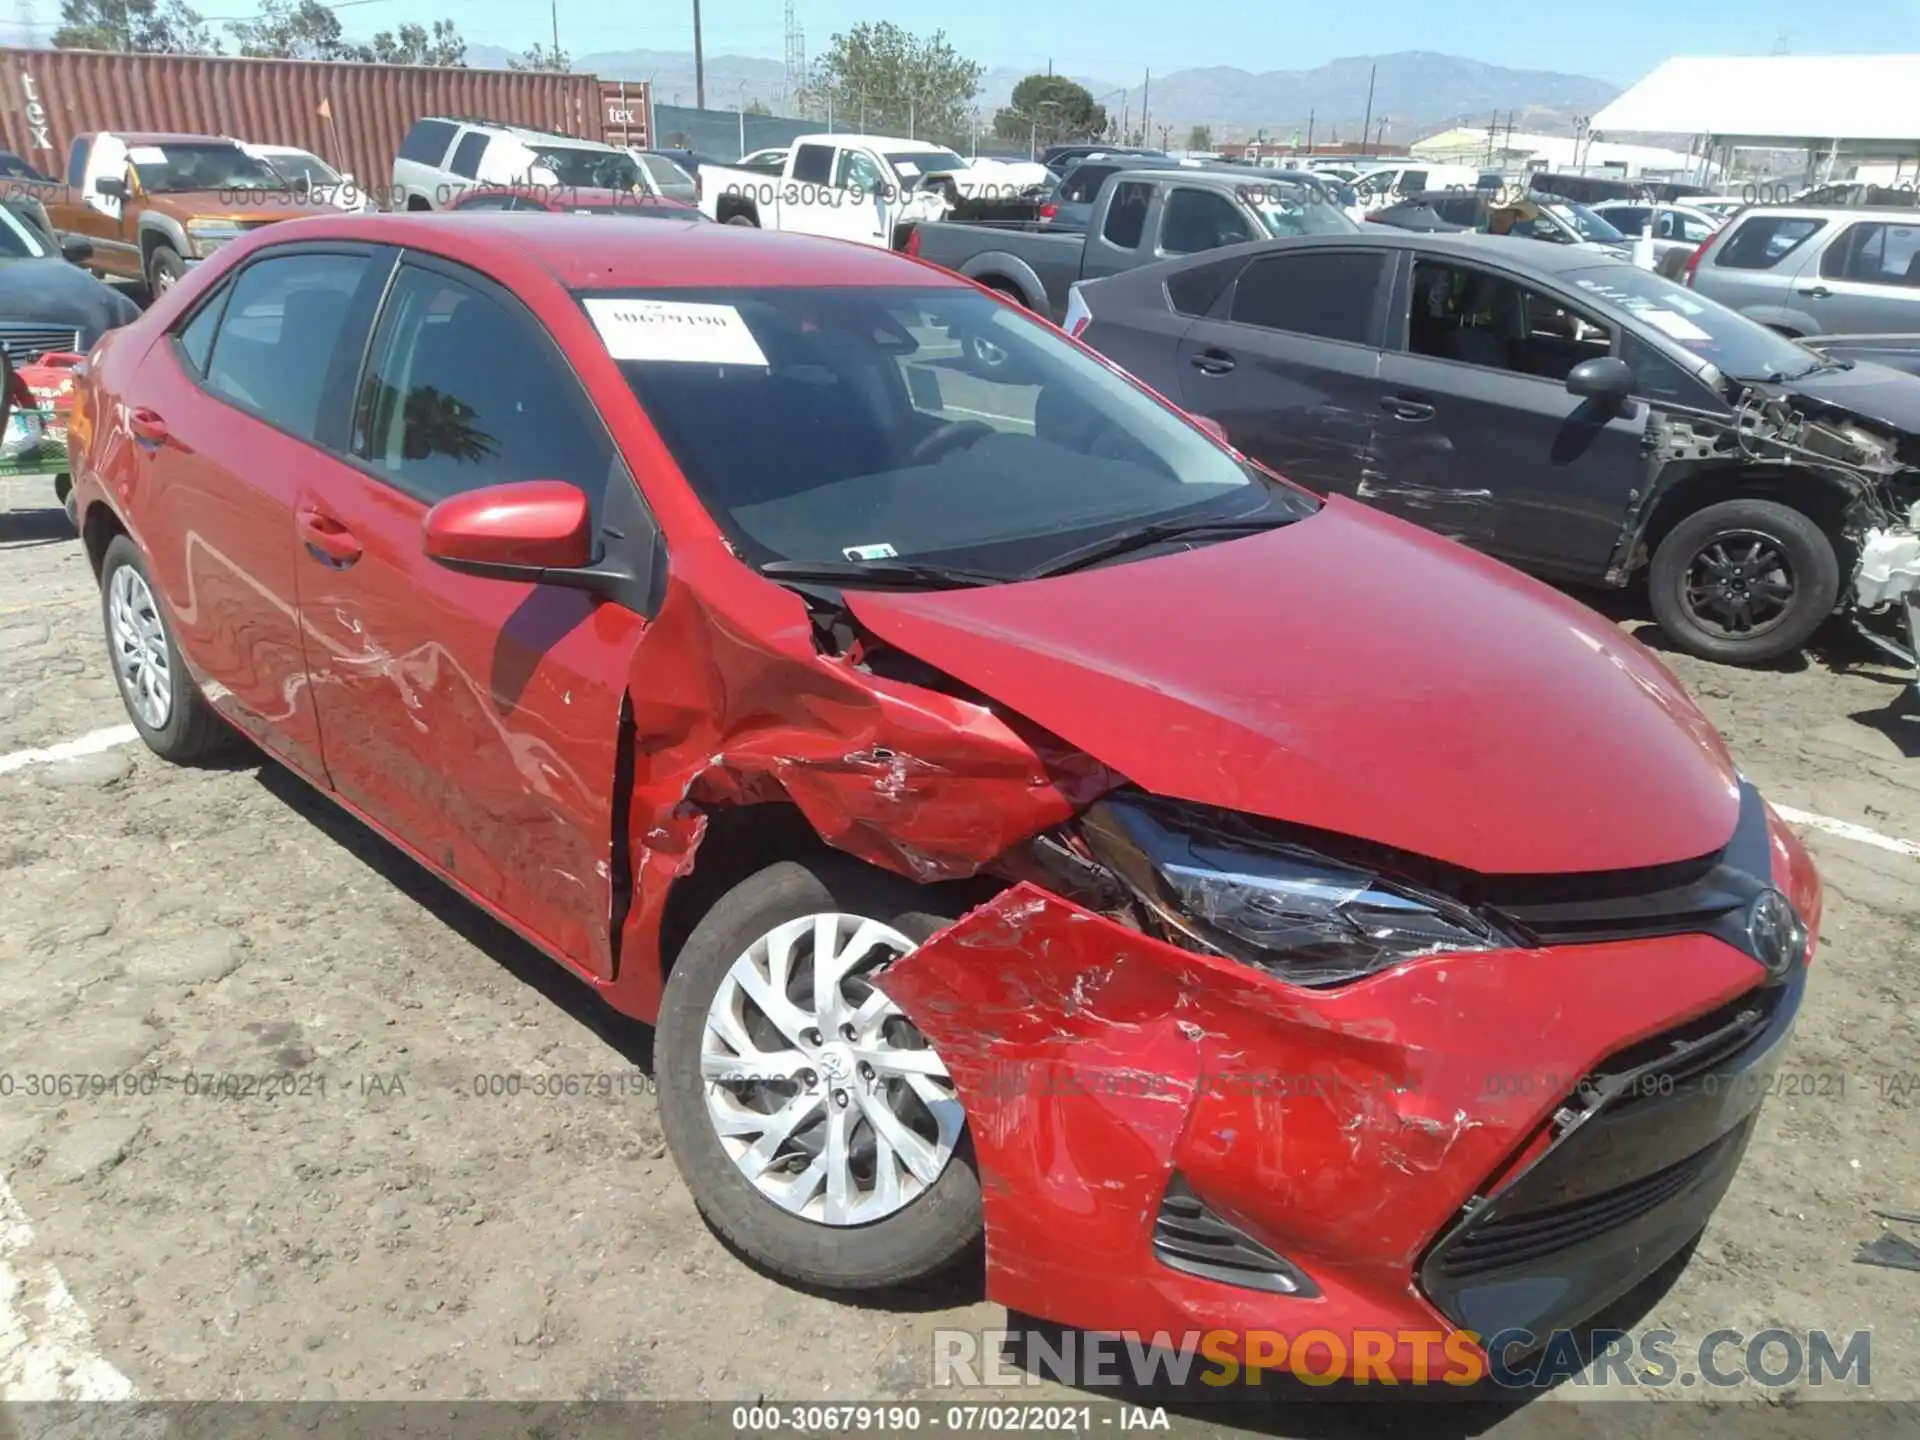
<point>427,142</point>
<point>1194,291</point>
<point>1763,241</point>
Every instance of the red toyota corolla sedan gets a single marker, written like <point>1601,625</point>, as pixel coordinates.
<point>1021,816</point>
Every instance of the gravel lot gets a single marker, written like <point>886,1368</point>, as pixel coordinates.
<point>393,1231</point>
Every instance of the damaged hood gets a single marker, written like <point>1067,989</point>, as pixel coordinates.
<point>1353,673</point>
<point>1875,393</point>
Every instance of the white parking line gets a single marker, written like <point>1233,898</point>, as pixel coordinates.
<point>46,1343</point>
<point>1847,830</point>
<point>91,743</point>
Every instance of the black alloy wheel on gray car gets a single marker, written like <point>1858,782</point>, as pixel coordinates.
<point>1743,582</point>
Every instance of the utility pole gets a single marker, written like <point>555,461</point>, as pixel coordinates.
<point>1146,125</point>
<point>1366,126</point>
<point>554,6</point>
<point>699,63</point>
<point>1310,118</point>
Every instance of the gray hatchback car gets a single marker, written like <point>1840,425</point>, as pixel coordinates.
<point>1810,271</point>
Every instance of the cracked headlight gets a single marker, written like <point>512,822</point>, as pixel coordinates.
<point>1309,919</point>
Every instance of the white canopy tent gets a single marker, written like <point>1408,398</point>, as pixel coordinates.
<point>1861,106</point>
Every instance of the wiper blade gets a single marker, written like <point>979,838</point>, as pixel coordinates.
<point>1142,536</point>
<point>880,572</point>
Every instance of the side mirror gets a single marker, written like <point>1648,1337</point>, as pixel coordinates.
<point>75,250</point>
<point>1212,426</point>
<point>519,531</point>
<point>113,189</point>
<point>1605,378</point>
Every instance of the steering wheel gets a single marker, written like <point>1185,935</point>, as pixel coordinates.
<point>952,435</point>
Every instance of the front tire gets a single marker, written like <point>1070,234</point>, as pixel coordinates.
<point>164,269</point>
<point>163,702</point>
<point>1743,582</point>
<point>818,1132</point>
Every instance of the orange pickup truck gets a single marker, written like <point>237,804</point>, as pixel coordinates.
<point>151,205</point>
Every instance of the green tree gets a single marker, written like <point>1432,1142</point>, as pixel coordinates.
<point>758,107</point>
<point>416,45</point>
<point>538,57</point>
<point>152,27</point>
<point>1049,109</point>
<point>887,81</point>
<point>292,30</point>
<point>1200,138</point>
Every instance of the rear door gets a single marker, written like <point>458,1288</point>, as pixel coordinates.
<point>1870,276</point>
<point>1480,439</point>
<point>1288,362</point>
<point>232,433</point>
<point>477,720</point>
<point>1755,267</point>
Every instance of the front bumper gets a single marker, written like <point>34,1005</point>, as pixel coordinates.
<point>1415,1145</point>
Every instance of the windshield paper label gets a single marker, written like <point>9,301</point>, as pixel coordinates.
<point>870,552</point>
<point>675,330</point>
<point>147,155</point>
<point>1678,326</point>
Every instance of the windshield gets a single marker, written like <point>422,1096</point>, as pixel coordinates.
<point>589,169</point>
<point>303,171</point>
<point>14,168</point>
<point>1591,225</point>
<point>1737,347</point>
<point>179,169</point>
<point>925,162</point>
<point>912,425</point>
<point>664,172</point>
<point>17,242</point>
<point>1292,208</point>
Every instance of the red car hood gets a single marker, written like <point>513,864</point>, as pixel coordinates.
<point>1352,673</point>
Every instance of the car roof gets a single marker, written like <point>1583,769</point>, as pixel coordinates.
<point>584,252</point>
<point>169,137</point>
<point>1512,250</point>
<point>1830,212</point>
<point>525,132</point>
<point>892,143</point>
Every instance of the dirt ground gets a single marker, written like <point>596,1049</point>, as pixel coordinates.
<point>395,1230</point>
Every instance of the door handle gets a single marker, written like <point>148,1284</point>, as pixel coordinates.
<point>1403,408</point>
<point>1818,292</point>
<point>327,540</point>
<point>147,427</point>
<point>1212,362</point>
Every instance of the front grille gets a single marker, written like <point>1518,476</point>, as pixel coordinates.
<point>1188,1236</point>
<point>1665,1065</point>
<point>25,344</point>
<point>1514,1240</point>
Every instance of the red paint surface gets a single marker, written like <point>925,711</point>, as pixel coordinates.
<point>534,522</point>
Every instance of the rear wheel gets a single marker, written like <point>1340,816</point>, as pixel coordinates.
<point>163,702</point>
<point>817,1129</point>
<point>1743,582</point>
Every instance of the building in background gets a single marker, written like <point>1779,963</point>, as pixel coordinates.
<point>1515,153</point>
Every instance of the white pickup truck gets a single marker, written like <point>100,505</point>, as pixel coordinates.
<point>868,188</point>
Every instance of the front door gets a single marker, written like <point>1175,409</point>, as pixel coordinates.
<point>1288,364</point>
<point>231,434</point>
<point>1480,439</point>
<point>102,218</point>
<point>476,719</point>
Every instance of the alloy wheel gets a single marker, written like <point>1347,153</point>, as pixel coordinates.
<point>140,655</point>
<point>1740,584</point>
<point>823,1094</point>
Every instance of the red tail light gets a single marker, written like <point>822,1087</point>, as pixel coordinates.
<point>1049,211</point>
<point>912,247</point>
<point>1693,263</point>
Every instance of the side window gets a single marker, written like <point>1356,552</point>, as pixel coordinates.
<point>813,164</point>
<point>1195,220</point>
<point>77,163</point>
<point>1875,253</point>
<point>275,341</point>
<point>1657,378</point>
<point>1477,317</point>
<point>1763,241</point>
<point>466,155</point>
<point>1328,293</point>
<point>1194,290</point>
<point>1412,182</point>
<point>467,390</point>
<point>196,338</point>
<point>1460,209</point>
<point>1693,229</point>
<point>1632,219</point>
<point>1127,214</point>
<point>859,171</point>
<point>1085,183</point>
<point>427,142</point>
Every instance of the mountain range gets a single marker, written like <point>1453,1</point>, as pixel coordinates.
<point>1416,92</point>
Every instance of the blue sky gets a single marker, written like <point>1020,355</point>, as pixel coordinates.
<point>1113,39</point>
